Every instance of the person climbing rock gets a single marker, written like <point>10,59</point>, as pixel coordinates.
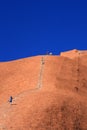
<point>10,99</point>
<point>42,60</point>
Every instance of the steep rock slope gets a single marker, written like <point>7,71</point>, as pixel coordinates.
<point>50,92</point>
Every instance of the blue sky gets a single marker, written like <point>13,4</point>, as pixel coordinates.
<point>29,28</point>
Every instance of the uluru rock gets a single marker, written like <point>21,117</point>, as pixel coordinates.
<point>49,92</point>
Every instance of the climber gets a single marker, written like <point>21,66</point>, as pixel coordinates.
<point>42,60</point>
<point>10,99</point>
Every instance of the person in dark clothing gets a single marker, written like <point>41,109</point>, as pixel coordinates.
<point>10,99</point>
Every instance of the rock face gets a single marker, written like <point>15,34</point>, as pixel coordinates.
<point>49,92</point>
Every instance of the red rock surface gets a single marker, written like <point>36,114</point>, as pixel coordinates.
<point>50,92</point>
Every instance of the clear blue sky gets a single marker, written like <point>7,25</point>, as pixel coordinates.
<point>32,27</point>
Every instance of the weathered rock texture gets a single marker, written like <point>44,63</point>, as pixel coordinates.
<point>50,92</point>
